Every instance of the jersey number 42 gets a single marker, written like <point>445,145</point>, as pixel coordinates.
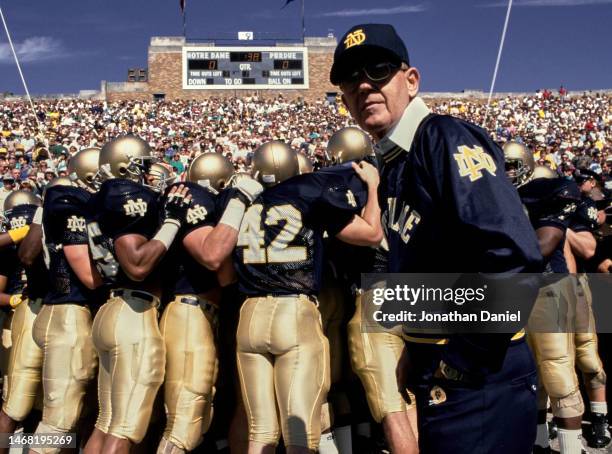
<point>252,236</point>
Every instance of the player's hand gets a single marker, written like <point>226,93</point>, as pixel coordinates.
<point>177,203</point>
<point>250,187</point>
<point>605,266</point>
<point>15,300</point>
<point>367,172</point>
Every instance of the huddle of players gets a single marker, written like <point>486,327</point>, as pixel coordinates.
<point>564,218</point>
<point>118,238</point>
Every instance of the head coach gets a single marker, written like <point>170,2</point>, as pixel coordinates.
<point>447,207</point>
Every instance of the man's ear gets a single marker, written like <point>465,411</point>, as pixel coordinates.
<point>412,81</point>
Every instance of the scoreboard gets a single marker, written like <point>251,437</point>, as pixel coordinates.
<point>250,68</point>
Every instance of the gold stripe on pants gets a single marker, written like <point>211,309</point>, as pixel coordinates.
<point>63,332</point>
<point>283,360</point>
<point>191,371</point>
<point>374,357</point>
<point>22,383</point>
<point>131,365</point>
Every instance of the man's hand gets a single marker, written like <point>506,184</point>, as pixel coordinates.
<point>605,266</point>
<point>177,204</point>
<point>250,188</point>
<point>368,173</point>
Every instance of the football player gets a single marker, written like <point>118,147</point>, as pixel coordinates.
<point>580,247</point>
<point>375,353</point>
<point>188,324</point>
<point>22,382</point>
<point>62,329</point>
<point>440,174</point>
<point>550,202</point>
<point>283,355</point>
<point>128,240</point>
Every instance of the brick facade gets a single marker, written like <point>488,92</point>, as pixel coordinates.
<point>165,75</point>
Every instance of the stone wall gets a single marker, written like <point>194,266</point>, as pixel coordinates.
<point>165,74</point>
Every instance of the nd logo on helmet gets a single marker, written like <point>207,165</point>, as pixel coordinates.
<point>354,38</point>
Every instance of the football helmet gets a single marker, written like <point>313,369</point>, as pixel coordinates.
<point>21,197</point>
<point>304,164</point>
<point>125,157</point>
<point>211,170</point>
<point>274,162</point>
<point>348,144</point>
<point>159,177</point>
<point>519,163</point>
<point>543,172</point>
<point>83,168</point>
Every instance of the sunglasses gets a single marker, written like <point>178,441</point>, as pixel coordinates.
<point>374,72</point>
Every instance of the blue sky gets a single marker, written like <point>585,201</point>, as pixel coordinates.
<point>68,45</point>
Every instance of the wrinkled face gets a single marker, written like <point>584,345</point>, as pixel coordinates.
<point>377,105</point>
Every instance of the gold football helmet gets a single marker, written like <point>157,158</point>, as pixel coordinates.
<point>20,197</point>
<point>212,170</point>
<point>159,177</point>
<point>519,163</point>
<point>125,157</point>
<point>83,168</point>
<point>304,164</point>
<point>274,162</point>
<point>543,172</point>
<point>348,144</point>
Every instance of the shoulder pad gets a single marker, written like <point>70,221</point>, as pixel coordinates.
<point>60,199</point>
<point>21,215</point>
<point>123,206</point>
<point>203,210</point>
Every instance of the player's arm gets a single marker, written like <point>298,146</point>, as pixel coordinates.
<point>81,263</point>
<point>582,244</point>
<point>31,246</point>
<point>4,297</point>
<point>221,241</point>
<point>13,236</point>
<point>365,230</point>
<point>194,242</point>
<point>549,238</point>
<point>137,255</point>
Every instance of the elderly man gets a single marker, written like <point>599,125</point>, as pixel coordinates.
<point>447,207</point>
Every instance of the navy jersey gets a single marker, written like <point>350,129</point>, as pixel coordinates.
<point>551,203</point>
<point>280,249</point>
<point>37,277</point>
<point>448,205</point>
<point>585,217</point>
<point>12,269</point>
<point>186,275</point>
<point>65,213</point>
<point>349,261</point>
<point>124,207</point>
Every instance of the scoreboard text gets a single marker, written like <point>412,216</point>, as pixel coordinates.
<point>250,68</point>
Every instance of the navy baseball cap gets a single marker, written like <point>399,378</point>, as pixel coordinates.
<point>582,175</point>
<point>367,37</point>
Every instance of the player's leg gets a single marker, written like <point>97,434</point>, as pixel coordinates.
<point>191,369</point>
<point>256,374</point>
<point>301,372</point>
<point>23,379</point>
<point>374,357</point>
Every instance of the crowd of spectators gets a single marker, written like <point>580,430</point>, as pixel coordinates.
<point>563,132</point>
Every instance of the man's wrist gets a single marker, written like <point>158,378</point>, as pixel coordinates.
<point>234,212</point>
<point>167,232</point>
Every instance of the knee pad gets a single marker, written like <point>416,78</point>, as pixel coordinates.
<point>570,406</point>
<point>48,429</point>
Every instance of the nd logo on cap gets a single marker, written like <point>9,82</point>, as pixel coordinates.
<point>354,38</point>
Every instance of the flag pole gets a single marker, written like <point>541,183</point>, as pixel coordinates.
<point>303,25</point>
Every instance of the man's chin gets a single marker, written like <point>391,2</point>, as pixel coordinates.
<point>375,123</point>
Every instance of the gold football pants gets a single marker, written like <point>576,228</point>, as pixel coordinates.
<point>283,360</point>
<point>587,354</point>
<point>5,347</point>
<point>22,383</point>
<point>188,329</point>
<point>63,332</point>
<point>374,358</point>
<point>555,352</point>
<point>131,364</point>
